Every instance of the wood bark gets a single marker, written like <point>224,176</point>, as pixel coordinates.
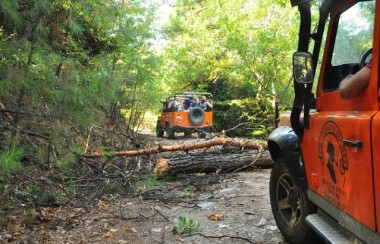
<point>204,163</point>
<point>182,147</point>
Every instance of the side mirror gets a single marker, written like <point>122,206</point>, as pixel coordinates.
<point>302,67</point>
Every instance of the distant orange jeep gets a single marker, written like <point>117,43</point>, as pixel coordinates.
<point>185,112</point>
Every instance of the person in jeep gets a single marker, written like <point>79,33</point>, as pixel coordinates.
<point>205,104</point>
<point>188,102</point>
<point>177,116</point>
<point>177,104</point>
<point>194,103</point>
<point>352,85</point>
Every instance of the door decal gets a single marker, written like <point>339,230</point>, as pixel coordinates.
<point>333,161</point>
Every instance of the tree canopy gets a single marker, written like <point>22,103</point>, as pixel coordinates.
<point>234,49</point>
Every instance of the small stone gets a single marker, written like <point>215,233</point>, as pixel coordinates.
<point>262,222</point>
<point>271,227</point>
<point>156,230</point>
<point>206,205</point>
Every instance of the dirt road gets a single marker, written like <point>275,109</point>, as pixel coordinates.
<point>212,208</point>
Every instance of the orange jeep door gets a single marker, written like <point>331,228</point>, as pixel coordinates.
<point>342,161</point>
<point>337,150</point>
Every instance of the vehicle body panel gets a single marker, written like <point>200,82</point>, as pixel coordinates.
<point>185,116</point>
<point>348,181</point>
<point>340,146</point>
<point>342,174</point>
<point>181,119</point>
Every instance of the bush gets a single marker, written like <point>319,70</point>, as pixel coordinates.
<point>10,159</point>
<point>251,118</point>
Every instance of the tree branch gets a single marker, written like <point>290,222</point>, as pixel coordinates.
<point>185,148</point>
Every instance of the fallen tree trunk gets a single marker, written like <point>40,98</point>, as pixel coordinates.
<point>185,148</point>
<point>201,162</point>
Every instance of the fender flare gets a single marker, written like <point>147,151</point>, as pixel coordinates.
<point>283,142</point>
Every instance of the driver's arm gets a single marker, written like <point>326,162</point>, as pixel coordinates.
<point>352,85</point>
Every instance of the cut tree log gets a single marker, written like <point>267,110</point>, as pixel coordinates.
<point>183,147</point>
<point>206,162</point>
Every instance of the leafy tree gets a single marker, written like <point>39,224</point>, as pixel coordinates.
<point>235,49</point>
<point>67,67</point>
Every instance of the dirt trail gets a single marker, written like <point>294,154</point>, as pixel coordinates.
<point>227,208</point>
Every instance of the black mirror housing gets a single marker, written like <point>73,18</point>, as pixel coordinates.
<point>303,67</point>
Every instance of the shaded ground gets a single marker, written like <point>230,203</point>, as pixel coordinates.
<point>226,208</point>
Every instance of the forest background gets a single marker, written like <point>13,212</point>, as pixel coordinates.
<point>82,76</point>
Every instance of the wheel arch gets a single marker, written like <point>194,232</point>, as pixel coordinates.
<point>284,143</point>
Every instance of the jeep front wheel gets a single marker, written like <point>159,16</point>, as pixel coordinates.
<point>290,205</point>
<point>170,133</point>
<point>159,131</point>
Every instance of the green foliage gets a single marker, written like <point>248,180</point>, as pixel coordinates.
<point>235,40</point>
<point>10,159</point>
<point>234,49</point>
<point>250,118</point>
<point>185,226</point>
<point>67,67</point>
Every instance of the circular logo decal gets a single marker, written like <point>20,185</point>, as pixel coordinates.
<point>332,154</point>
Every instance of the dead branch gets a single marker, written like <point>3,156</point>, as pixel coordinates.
<point>185,148</point>
<point>8,116</point>
<point>220,237</point>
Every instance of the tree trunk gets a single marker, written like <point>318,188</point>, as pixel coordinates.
<point>211,162</point>
<point>182,147</point>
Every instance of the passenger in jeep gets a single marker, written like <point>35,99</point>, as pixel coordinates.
<point>177,104</point>
<point>352,85</point>
<point>187,103</point>
<point>194,103</point>
<point>205,104</point>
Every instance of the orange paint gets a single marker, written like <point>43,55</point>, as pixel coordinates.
<point>341,148</point>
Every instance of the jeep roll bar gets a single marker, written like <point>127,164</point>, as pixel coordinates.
<point>192,94</point>
<point>301,91</point>
<point>186,95</point>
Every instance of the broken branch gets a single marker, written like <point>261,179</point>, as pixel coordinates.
<point>185,148</point>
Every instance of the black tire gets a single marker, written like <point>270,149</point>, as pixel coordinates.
<point>187,133</point>
<point>290,205</point>
<point>196,116</point>
<point>170,133</point>
<point>202,134</point>
<point>159,131</point>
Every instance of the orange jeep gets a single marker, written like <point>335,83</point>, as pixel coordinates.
<point>182,113</point>
<point>325,183</point>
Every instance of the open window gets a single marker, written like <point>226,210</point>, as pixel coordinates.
<point>351,36</point>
